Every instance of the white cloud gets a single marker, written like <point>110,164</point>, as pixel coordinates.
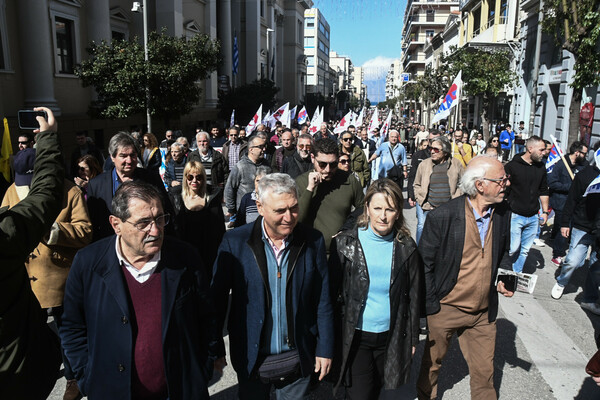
<point>376,68</point>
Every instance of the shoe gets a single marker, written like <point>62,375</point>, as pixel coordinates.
<point>72,391</point>
<point>556,261</point>
<point>591,307</point>
<point>557,291</point>
<point>539,242</point>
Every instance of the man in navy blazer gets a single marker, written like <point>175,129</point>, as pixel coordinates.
<point>123,152</point>
<point>138,321</point>
<point>277,272</point>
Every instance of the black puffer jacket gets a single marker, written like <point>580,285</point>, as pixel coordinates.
<point>350,281</point>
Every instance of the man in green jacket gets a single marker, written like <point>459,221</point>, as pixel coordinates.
<point>29,351</point>
<point>327,194</point>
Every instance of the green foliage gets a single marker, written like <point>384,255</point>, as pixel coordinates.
<point>576,26</point>
<point>389,103</point>
<point>119,74</point>
<point>246,99</point>
<point>484,73</point>
<point>433,84</point>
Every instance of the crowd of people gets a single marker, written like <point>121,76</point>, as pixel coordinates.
<point>295,245</point>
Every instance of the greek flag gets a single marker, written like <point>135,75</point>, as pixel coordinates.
<point>594,186</point>
<point>236,56</point>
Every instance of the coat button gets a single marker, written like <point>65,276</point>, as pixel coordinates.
<point>121,367</point>
<point>124,320</point>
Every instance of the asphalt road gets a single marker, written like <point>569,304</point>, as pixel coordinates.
<point>542,346</point>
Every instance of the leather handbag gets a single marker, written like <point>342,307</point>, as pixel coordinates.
<point>278,367</point>
<point>396,174</point>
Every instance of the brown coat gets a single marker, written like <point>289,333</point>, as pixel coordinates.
<point>424,171</point>
<point>49,265</point>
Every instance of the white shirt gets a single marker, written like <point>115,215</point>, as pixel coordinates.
<point>140,275</point>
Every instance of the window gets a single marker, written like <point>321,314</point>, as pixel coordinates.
<point>429,33</point>
<point>4,54</point>
<point>309,41</point>
<point>309,22</point>
<point>322,28</point>
<point>491,12</point>
<point>262,8</point>
<point>476,21</point>
<point>117,35</point>
<point>327,34</point>
<point>311,61</point>
<point>430,16</point>
<point>64,45</point>
<point>300,33</point>
<point>503,11</point>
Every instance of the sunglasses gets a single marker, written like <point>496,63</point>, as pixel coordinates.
<point>344,161</point>
<point>304,146</point>
<point>323,164</point>
<point>347,139</point>
<point>191,177</point>
<point>495,140</point>
<point>24,143</point>
<point>434,149</point>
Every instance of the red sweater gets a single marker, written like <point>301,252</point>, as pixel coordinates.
<point>148,380</point>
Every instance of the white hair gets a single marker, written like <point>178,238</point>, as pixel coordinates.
<point>277,184</point>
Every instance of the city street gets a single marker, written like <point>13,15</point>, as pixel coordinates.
<point>542,346</point>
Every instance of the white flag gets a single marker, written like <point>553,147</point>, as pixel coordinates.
<point>359,120</point>
<point>316,122</point>
<point>344,123</point>
<point>254,122</point>
<point>386,127</point>
<point>450,100</point>
<point>374,124</point>
<point>286,117</point>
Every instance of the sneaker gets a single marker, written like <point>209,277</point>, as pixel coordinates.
<point>557,291</point>
<point>539,242</point>
<point>72,391</point>
<point>591,307</point>
<point>556,261</point>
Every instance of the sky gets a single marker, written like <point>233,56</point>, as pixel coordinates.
<point>369,32</point>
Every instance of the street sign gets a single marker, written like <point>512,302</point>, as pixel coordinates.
<point>405,77</point>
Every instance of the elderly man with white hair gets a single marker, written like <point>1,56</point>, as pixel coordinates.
<point>393,162</point>
<point>464,242</point>
<point>212,160</point>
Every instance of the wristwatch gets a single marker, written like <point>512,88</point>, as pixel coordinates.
<point>545,212</point>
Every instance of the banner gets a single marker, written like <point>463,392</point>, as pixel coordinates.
<point>5,153</point>
<point>386,127</point>
<point>374,124</point>
<point>344,123</point>
<point>316,122</point>
<point>449,100</point>
<point>254,122</point>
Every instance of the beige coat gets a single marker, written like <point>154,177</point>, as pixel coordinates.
<point>48,264</point>
<point>421,185</point>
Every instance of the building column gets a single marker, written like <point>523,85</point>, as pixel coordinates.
<point>97,19</point>
<point>253,40</point>
<point>225,34</point>
<point>37,54</point>
<point>211,95</point>
<point>169,14</point>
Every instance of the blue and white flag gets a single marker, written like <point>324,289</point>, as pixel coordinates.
<point>293,113</point>
<point>554,156</point>
<point>302,115</point>
<point>236,56</point>
<point>594,186</point>
<point>450,100</point>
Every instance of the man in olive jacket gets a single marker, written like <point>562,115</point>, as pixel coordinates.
<point>29,351</point>
<point>464,242</point>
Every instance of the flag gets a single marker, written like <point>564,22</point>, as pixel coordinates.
<point>386,127</point>
<point>254,122</point>
<point>316,122</point>
<point>344,123</point>
<point>292,114</point>
<point>5,153</point>
<point>554,156</point>
<point>232,119</point>
<point>285,117</point>
<point>593,187</point>
<point>449,100</point>
<point>236,56</point>
<point>359,120</point>
<point>276,116</point>
<point>374,124</point>
<point>302,115</point>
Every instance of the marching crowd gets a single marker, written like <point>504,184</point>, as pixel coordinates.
<point>294,244</point>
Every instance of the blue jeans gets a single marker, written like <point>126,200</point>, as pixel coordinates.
<point>580,243</point>
<point>522,233</point>
<point>254,389</point>
<point>421,214</point>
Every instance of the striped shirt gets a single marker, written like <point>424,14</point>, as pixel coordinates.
<point>439,187</point>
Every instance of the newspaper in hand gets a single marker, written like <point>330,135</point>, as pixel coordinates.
<point>525,282</point>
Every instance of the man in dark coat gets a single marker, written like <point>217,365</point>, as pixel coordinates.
<point>137,321</point>
<point>29,351</point>
<point>123,152</point>
<point>84,146</point>
<point>464,242</point>
<point>212,160</point>
<point>276,271</point>
<point>300,162</point>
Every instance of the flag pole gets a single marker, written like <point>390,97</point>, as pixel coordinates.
<point>563,158</point>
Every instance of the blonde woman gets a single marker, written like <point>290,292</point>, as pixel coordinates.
<point>200,219</point>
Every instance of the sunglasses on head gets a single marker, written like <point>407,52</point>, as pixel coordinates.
<point>191,177</point>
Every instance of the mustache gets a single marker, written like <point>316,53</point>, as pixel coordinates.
<point>151,238</point>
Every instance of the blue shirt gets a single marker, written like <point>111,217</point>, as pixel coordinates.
<point>387,162</point>
<point>375,316</point>
<point>116,181</point>
<point>483,222</point>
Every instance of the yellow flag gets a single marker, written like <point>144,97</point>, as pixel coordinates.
<point>5,153</point>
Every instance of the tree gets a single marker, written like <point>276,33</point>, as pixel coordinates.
<point>433,84</point>
<point>484,74</point>
<point>120,75</point>
<point>246,99</point>
<point>576,26</point>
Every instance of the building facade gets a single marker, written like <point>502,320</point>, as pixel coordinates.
<point>316,50</point>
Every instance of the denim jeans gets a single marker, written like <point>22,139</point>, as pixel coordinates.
<point>421,214</point>
<point>522,233</point>
<point>580,243</point>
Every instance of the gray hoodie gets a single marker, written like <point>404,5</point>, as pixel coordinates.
<point>241,181</point>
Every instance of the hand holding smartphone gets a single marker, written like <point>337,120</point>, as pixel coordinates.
<point>28,119</point>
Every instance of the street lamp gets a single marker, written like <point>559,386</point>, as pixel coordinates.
<point>136,9</point>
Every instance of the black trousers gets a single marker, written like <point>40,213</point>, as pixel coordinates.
<point>366,358</point>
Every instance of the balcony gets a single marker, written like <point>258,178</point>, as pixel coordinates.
<point>485,32</point>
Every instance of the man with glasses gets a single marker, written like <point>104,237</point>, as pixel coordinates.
<point>358,160</point>
<point>300,162</point>
<point>25,141</point>
<point>241,178</point>
<point>436,180</point>
<point>528,189</point>
<point>212,160</point>
<point>465,241</point>
<point>326,194</point>
<point>154,334</point>
<point>393,156</point>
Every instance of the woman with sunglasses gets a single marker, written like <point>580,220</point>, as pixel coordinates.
<point>376,276</point>
<point>200,220</point>
<point>358,160</point>
<point>88,167</point>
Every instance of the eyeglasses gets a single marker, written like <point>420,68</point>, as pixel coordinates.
<point>344,161</point>
<point>347,139</point>
<point>191,177</point>
<point>145,224</point>
<point>24,143</point>
<point>304,146</point>
<point>434,149</point>
<point>323,164</point>
<point>501,181</point>
<point>233,135</point>
<point>495,140</point>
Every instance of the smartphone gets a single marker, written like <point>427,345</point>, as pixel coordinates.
<point>27,119</point>
<point>510,282</point>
